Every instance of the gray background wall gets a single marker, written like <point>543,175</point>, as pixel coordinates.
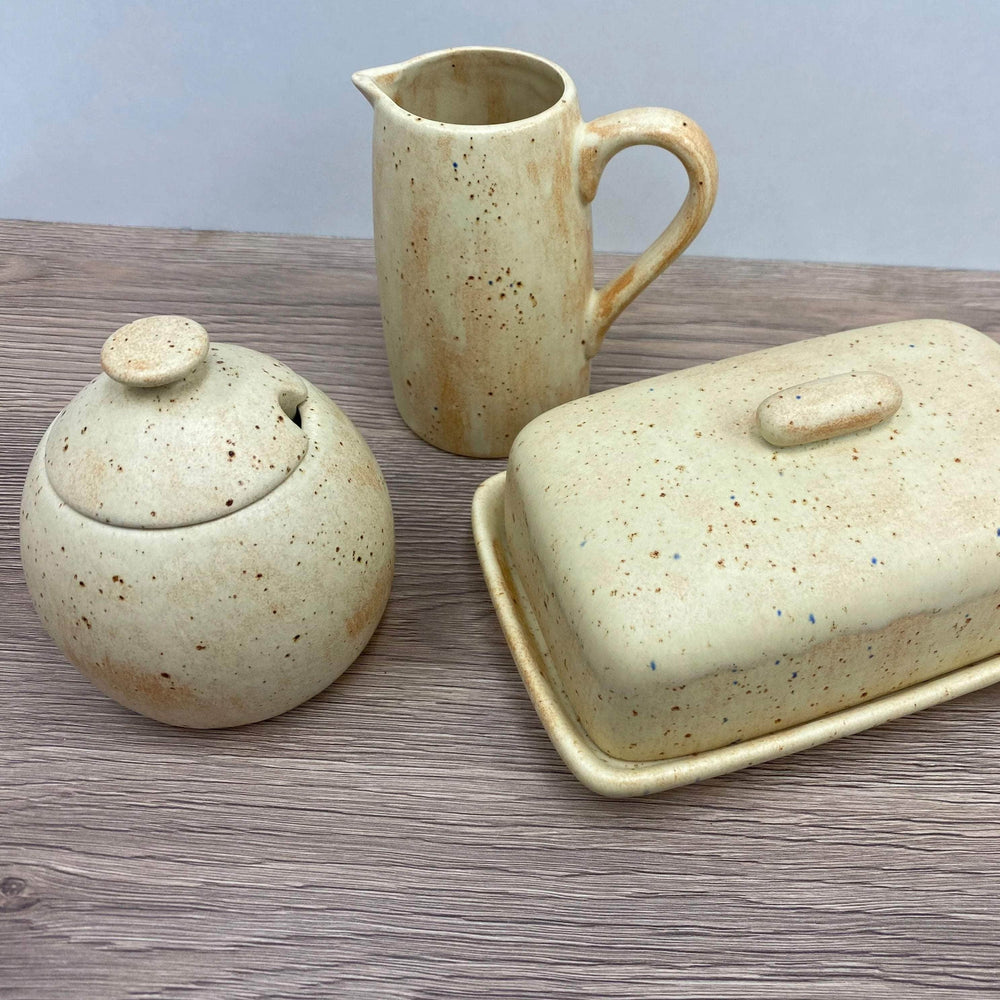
<point>854,131</point>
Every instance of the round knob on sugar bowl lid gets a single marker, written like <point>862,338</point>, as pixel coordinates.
<point>155,351</point>
<point>204,533</point>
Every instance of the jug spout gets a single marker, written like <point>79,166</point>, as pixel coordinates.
<point>375,84</point>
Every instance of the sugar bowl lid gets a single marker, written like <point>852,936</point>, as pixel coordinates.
<point>176,431</point>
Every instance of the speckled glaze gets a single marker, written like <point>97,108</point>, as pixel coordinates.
<point>210,545</point>
<point>483,176</point>
<point>691,586</point>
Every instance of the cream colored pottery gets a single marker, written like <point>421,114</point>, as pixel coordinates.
<point>203,533</point>
<point>484,173</point>
<point>684,597</point>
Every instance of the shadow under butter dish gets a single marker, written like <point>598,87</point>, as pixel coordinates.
<point>685,585</point>
<point>249,553</point>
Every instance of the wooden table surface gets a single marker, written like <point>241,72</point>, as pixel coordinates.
<point>411,832</point>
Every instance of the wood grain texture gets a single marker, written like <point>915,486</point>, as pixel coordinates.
<point>411,832</point>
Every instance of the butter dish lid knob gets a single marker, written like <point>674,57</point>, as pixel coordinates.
<point>827,407</point>
<point>154,351</point>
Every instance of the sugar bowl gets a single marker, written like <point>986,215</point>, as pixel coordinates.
<point>205,534</point>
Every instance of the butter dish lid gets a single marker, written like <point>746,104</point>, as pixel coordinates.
<point>176,431</point>
<point>668,526</point>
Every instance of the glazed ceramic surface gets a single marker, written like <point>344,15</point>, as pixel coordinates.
<point>483,176</point>
<point>203,532</point>
<point>692,597</point>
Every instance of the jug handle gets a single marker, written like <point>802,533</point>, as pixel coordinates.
<point>599,141</point>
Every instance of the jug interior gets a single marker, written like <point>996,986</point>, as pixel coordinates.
<point>477,87</point>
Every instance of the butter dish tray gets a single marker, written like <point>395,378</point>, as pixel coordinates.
<point>730,563</point>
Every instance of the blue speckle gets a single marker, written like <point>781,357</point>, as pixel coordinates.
<point>795,674</point>
<point>725,720</point>
<point>869,648</point>
<point>776,662</point>
<point>798,397</point>
<point>732,496</point>
<point>812,619</point>
<point>874,561</point>
<point>677,555</point>
<point>652,664</point>
<point>455,165</point>
<point>779,612</point>
<point>735,683</point>
<point>913,345</point>
<point>491,282</point>
<point>584,542</point>
<point>998,529</point>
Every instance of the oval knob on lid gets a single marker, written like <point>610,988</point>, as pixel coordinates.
<point>827,407</point>
<point>153,351</point>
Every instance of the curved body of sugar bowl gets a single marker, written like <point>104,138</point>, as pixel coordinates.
<point>689,597</point>
<point>274,563</point>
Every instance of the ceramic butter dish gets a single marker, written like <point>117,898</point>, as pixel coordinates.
<point>729,563</point>
<point>204,533</point>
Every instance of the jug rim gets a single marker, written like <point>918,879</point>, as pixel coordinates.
<point>372,83</point>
